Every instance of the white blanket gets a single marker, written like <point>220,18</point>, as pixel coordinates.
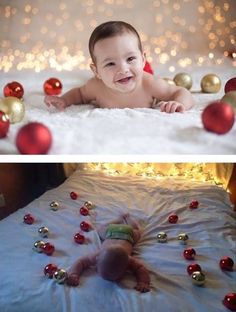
<point>88,130</point>
<point>211,231</point>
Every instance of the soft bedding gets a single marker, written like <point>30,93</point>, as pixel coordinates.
<point>211,231</point>
<point>84,129</point>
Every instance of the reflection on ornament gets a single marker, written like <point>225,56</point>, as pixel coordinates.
<point>4,124</point>
<point>60,276</point>
<point>230,301</point>
<point>170,81</point>
<point>54,205</point>
<point>230,85</point>
<point>89,205</point>
<point>218,117</point>
<point>210,83</point>
<point>34,138</point>
<point>50,269</point>
<point>13,107</point>
<point>183,238</point>
<point>162,237</point>
<point>43,231</point>
<point>198,278</point>
<point>38,245</point>
<point>230,98</point>
<point>52,86</point>
<point>183,80</point>
<point>13,88</point>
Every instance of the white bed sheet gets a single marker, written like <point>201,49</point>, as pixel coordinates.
<point>88,130</point>
<point>211,230</point>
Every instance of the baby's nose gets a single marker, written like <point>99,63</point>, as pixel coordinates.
<point>123,68</point>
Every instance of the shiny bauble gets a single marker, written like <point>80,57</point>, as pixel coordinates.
<point>147,68</point>
<point>198,278</point>
<point>38,246</point>
<point>230,301</point>
<point>54,205</point>
<point>73,195</point>
<point>169,81</point>
<point>34,138</point>
<point>183,80</point>
<point>218,117</point>
<point>230,85</point>
<point>48,249</point>
<point>85,226</point>
<point>4,124</point>
<point>183,238</point>
<point>173,218</point>
<point>79,238</point>
<point>13,88</point>
<point>193,268</point>
<point>29,219</point>
<point>210,83</point>
<point>189,254</point>
<point>50,269</point>
<point>84,211</point>
<point>194,204</point>
<point>230,98</point>
<point>226,264</point>
<point>89,205</point>
<point>43,231</point>
<point>52,86</point>
<point>60,276</point>
<point>13,107</point>
<point>162,237</point>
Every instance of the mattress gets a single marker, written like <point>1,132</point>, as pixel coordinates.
<point>85,129</point>
<point>210,227</point>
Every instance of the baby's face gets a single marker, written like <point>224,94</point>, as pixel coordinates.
<point>119,62</point>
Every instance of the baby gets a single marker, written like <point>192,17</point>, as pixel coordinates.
<point>119,79</point>
<point>114,258</point>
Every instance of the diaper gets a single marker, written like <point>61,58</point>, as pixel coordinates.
<point>120,231</point>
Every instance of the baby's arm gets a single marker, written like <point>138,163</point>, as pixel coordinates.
<point>172,98</point>
<point>141,273</point>
<point>78,267</point>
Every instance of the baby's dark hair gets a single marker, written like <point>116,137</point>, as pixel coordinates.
<point>111,29</point>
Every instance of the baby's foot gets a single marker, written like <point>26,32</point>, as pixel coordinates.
<point>72,280</point>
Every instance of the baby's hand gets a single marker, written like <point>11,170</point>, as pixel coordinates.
<point>142,287</point>
<point>72,280</point>
<point>170,107</point>
<point>55,101</point>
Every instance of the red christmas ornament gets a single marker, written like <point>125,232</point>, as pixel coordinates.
<point>173,218</point>
<point>85,226</point>
<point>230,85</point>
<point>79,238</point>
<point>218,117</point>
<point>193,268</point>
<point>48,249</point>
<point>4,124</point>
<point>189,253</point>
<point>52,86</point>
<point>34,138</point>
<point>29,219</point>
<point>13,88</point>
<point>73,195</point>
<point>50,269</point>
<point>147,68</point>
<point>84,211</point>
<point>230,301</point>
<point>226,263</point>
<point>194,204</point>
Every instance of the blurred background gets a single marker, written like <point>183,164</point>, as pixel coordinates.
<point>40,34</point>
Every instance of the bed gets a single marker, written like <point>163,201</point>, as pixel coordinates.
<point>149,194</point>
<point>89,130</point>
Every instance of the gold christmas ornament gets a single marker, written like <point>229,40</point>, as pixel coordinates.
<point>38,246</point>
<point>170,81</point>
<point>54,205</point>
<point>89,205</point>
<point>210,83</point>
<point>230,98</point>
<point>162,237</point>
<point>60,276</point>
<point>198,278</point>
<point>13,107</point>
<point>43,231</point>
<point>183,80</point>
<point>183,238</point>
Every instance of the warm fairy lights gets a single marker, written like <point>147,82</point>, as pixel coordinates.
<point>39,35</point>
<point>192,171</point>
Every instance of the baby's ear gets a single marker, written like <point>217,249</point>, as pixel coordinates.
<point>94,70</point>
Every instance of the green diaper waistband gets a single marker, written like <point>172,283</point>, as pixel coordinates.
<point>120,231</point>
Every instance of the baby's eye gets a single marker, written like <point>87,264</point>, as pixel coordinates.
<point>131,58</point>
<point>110,64</point>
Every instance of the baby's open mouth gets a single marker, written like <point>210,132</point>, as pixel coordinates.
<point>124,80</point>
